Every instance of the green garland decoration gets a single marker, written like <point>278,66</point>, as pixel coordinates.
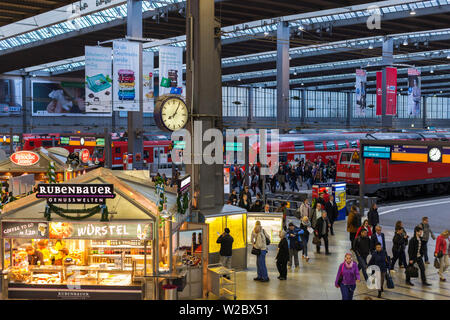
<point>182,203</point>
<point>161,192</point>
<point>51,172</point>
<point>49,208</point>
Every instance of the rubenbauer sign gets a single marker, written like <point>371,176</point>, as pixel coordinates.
<point>75,193</point>
<point>24,158</point>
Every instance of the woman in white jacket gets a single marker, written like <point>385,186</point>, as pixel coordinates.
<point>259,242</point>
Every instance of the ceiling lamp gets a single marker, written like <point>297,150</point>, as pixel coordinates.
<point>405,43</point>
<point>301,27</point>
<point>370,46</point>
<point>448,57</point>
<point>266,33</point>
<point>412,12</point>
<point>431,71</point>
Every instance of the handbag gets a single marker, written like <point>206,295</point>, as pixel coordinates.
<point>256,252</point>
<point>389,281</point>
<point>440,254</point>
<point>437,264</point>
<point>316,240</point>
<point>412,271</point>
<point>299,245</point>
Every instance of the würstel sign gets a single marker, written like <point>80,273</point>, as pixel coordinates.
<point>76,193</point>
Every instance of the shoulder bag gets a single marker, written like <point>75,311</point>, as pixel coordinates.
<point>341,277</point>
<point>267,238</point>
<point>389,281</point>
<point>256,252</point>
<point>437,264</point>
<point>412,271</point>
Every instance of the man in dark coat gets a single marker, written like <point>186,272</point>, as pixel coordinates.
<point>282,256</point>
<point>226,248</point>
<point>332,212</point>
<point>362,250</point>
<point>377,237</point>
<point>373,217</point>
<point>416,252</point>
<point>321,230</point>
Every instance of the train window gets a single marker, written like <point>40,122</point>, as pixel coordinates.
<point>117,150</point>
<point>146,154</point>
<point>31,143</point>
<point>331,145</point>
<point>46,143</point>
<point>354,144</point>
<point>346,157</point>
<point>318,146</point>
<point>299,146</point>
<point>342,145</point>
<point>283,157</point>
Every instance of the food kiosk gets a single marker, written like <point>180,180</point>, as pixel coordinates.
<point>94,250</point>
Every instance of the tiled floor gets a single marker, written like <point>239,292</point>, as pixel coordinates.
<point>314,280</point>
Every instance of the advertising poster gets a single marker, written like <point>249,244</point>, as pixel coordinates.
<point>148,81</point>
<point>360,96</point>
<point>10,97</point>
<point>414,94</point>
<point>226,180</point>
<point>171,70</point>
<point>51,98</point>
<point>391,94</point>
<point>98,79</point>
<point>126,71</point>
<point>379,93</point>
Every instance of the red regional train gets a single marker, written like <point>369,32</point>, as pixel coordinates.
<point>391,179</point>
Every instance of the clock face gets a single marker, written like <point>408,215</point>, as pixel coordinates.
<point>174,114</point>
<point>435,154</point>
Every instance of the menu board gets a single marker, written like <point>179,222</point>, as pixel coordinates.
<point>101,230</point>
<point>30,230</point>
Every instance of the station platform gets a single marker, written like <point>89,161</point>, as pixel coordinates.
<point>314,280</point>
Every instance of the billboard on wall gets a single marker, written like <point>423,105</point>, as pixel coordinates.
<point>148,81</point>
<point>126,71</point>
<point>360,90</point>
<point>171,70</point>
<point>414,92</point>
<point>379,93</point>
<point>59,98</point>
<point>98,79</point>
<point>10,97</point>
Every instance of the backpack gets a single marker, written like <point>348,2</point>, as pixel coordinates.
<point>267,238</point>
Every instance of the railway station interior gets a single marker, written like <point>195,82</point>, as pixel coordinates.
<point>224,150</point>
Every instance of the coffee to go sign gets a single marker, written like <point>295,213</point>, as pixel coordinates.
<point>24,158</point>
<point>75,193</point>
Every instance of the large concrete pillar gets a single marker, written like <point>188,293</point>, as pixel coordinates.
<point>283,76</point>
<point>204,98</point>
<point>135,119</point>
<point>388,60</point>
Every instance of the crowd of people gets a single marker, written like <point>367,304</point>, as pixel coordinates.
<point>290,175</point>
<point>366,238</point>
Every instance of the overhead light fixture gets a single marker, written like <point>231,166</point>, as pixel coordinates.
<point>412,12</point>
<point>239,79</point>
<point>266,33</point>
<point>295,73</point>
<point>154,17</point>
<point>290,58</point>
<point>431,71</point>
<point>405,43</point>
<point>370,46</point>
<point>301,27</point>
<point>440,91</point>
<point>448,57</point>
<point>303,84</point>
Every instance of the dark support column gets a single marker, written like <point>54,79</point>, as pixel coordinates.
<point>303,106</point>
<point>251,92</point>
<point>108,151</point>
<point>135,119</point>
<point>361,179</point>
<point>204,98</point>
<point>388,59</point>
<point>26,99</point>
<point>283,76</point>
<point>349,110</point>
<point>424,112</point>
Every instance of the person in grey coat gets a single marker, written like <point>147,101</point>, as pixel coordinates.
<point>426,236</point>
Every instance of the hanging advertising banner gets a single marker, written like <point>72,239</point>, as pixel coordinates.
<point>98,79</point>
<point>30,230</point>
<point>360,90</point>
<point>391,88</point>
<point>75,193</point>
<point>148,71</point>
<point>126,70</point>
<point>24,158</point>
<point>379,93</point>
<point>414,93</point>
<point>226,180</point>
<point>171,70</point>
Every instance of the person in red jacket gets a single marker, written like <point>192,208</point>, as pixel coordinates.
<point>366,226</point>
<point>441,253</point>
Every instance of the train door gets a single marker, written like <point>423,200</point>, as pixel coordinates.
<point>158,156</point>
<point>384,165</point>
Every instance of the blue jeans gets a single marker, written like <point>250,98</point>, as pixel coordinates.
<point>261,265</point>
<point>305,239</point>
<point>347,291</point>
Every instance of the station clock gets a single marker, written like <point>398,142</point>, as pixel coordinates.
<point>435,154</point>
<point>171,113</point>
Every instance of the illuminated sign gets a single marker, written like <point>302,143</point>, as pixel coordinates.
<point>75,193</point>
<point>184,184</point>
<point>233,146</point>
<point>24,158</point>
<point>84,155</point>
<point>378,152</point>
<point>409,153</point>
